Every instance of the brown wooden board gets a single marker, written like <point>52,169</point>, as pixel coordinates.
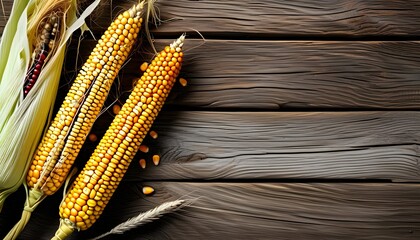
<point>290,74</point>
<point>284,211</point>
<point>271,18</point>
<point>254,138</point>
<point>5,10</point>
<point>283,145</point>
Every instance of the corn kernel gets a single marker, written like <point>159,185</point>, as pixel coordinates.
<point>144,66</point>
<point>116,109</point>
<point>148,190</point>
<point>93,137</point>
<point>144,148</point>
<point>142,163</point>
<point>183,82</point>
<point>156,159</point>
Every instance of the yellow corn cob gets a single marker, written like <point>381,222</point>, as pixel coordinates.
<point>101,175</point>
<point>68,131</point>
<point>83,103</point>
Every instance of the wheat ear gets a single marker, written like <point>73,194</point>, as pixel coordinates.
<point>145,217</point>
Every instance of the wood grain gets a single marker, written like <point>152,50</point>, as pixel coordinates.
<point>374,211</point>
<point>5,10</point>
<point>271,18</point>
<point>224,144</point>
<point>284,145</point>
<point>291,74</point>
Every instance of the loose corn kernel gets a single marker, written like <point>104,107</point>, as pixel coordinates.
<point>116,109</point>
<point>148,190</point>
<point>156,159</point>
<point>153,134</point>
<point>121,141</point>
<point>93,137</point>
<point>183,82</point>
<point>142,163</point>
<point>144,148</point>
<point>143,67</point>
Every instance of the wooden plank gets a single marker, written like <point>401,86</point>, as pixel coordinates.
<point>283,145</point>
<point>292,74</point>
<point>368,211</point>
<point>279,18</point>
<point>5,10</point>
<point>273,18</point>
<point>300,18</point>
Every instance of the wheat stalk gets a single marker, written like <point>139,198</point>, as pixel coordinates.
<point>145,217</point>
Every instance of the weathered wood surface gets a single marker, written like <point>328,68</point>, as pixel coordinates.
<point>5,9</point>
<point>333,211</point>
<point>284,145</point>
<point>293,74</point>
<point>272,18</point>
<point>224,144</point>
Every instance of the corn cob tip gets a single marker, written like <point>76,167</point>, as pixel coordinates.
<point>178,43</point>
<point>136,10</point>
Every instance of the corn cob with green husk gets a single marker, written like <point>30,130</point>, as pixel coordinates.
<point>23,114</point>
<point>67,132</point>
<point>98,180</point>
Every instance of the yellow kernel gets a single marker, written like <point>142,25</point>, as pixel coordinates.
<point>183,82</point>
<point>142,163</point>
<point>67,212</point>
<point>80,202</point>
<point>144,66</point>
<point>92,193</point>
<point>148,190</point>
<point>73,212</point>
<point>126,14</point>
<point>91,203</point>
<point>156,159</point>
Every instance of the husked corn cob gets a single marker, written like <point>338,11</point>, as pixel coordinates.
<point>101,175</point>
<point>70,127</point>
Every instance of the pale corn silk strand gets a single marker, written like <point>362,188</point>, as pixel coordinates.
<point>23,120</point>
<point>37,193</point>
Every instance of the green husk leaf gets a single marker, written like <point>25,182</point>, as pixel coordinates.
<point>23,120</point>
<point>9,32</point>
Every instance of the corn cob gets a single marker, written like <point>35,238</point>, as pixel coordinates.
<point>83,103</point>
<point>21,115</point>
<point>104,170</point>
<point>67,132</point>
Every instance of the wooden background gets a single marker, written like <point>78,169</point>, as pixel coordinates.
<point>300,121</point>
